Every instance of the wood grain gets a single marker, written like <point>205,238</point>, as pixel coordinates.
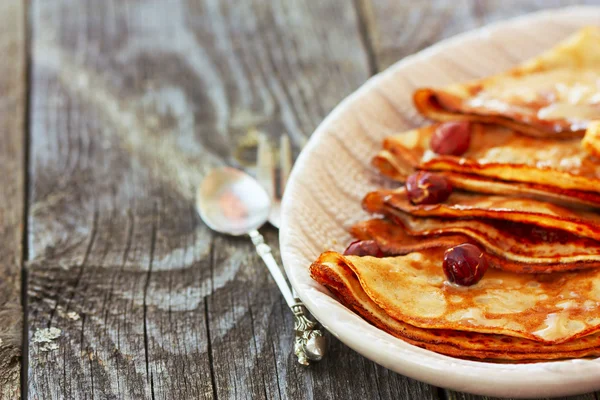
<point>12,193</point>
<point>397,29</point>
<point>132,102</point>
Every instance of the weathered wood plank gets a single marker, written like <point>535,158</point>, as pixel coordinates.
<point>132,102</point>
<point>119,263</point>
<point>400,28</point>
<point>12,193</point>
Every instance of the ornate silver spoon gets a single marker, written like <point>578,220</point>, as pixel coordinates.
<point>230,201</point>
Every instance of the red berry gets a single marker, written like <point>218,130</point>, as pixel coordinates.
<point>464,264</point>
<point>451,138</point>
<point>363,248</point>
<point>427,188</point>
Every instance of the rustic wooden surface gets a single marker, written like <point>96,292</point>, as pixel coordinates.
<point>131,102</point>
<point>12,191</point>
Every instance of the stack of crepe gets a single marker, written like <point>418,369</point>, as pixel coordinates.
<point>526,192</point>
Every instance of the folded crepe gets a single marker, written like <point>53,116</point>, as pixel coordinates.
<point>546,308</point>
<point>553,95</point>
<point>554,168</point>
<point>462,205</point>
<point>514,247</point>
<point>390,166</point>
<point>332,270</point>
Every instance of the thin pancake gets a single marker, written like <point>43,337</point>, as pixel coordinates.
<point>591,140</point>
<point>393,168</point>
<point>499,153</point>
<point>393,240</point>
<point>554,94</point>
<point>528,251</point>
<point>553,308</point>
<point>467,205</point>
<point>343,283</point>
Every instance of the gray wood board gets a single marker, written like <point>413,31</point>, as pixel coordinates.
<point>132,102</point>
<point>397,29</point>
<point>12,192</point>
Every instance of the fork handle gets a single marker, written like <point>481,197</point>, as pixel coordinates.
<point>310,343</point>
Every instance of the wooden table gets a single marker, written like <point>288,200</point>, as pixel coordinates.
<point>112,111</point>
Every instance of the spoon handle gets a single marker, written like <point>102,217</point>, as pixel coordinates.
<point>264,251</point>
<point>310,343</point>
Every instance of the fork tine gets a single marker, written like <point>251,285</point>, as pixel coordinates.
<point>264,165</point>
<point>285,161</point>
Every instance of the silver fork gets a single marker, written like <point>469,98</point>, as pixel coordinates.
<point>265,172</point>
<point>309,338</point>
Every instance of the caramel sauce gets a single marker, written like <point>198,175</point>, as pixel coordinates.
<point>532,234</point>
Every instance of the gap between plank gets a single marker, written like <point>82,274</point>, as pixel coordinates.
<point>213,380</point>
<point>26,194</point>
<point>362,14</point>
<point>442,393</point>
<point>146,286</point>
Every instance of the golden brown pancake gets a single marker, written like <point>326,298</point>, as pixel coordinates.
<point>499,153</point>
<point>553,95</point>
<point>524,249</point>
<point>468,206</point>
<point>591,140</point>
<point>343,283</point>
<point>547,308</point>
<point>393,168</point>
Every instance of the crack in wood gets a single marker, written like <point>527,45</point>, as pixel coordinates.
<point>257,352</point>
<point>275,367</point>
<point>26,201</point>
<point>365,21</point>
<point>209,350</point>
<point>155,219</point>
<point>88,355</point>
<point>82,265</point>
<point>24,370</point>
<point>211,258</point>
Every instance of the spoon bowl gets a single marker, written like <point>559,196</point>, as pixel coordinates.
<point>232,202</point>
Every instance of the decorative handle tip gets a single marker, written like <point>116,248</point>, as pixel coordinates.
<point>310,343</point>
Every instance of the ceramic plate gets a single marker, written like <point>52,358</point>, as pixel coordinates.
<point>333,174</point>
